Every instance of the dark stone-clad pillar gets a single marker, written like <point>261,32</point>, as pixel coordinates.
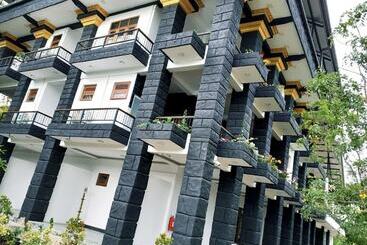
<point>298,229</point>
<point>253,216</point>
<point>327,238</point>
<point>48,166</point>
<point>302,176</point>
<point>287,225</point>
<point>320,237</point>
<point>306,232</point>
<point>313,233</point>
<point>129,194</point>
<point>273,222</point>
<point>226,207</point>
<point>215,83</point>
<point>17,100</point>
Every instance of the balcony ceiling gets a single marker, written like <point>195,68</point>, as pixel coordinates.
<point>278,8</point>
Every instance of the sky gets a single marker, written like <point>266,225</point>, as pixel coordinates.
<point>336,9</point>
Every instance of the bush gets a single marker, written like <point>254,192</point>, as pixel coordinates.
<point>7,235</point>
<point>163,239</point>
<point>5,206</point>
<point>74,233</point>
<point>40,236</point>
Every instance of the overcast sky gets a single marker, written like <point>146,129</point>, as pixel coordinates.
<point>336,9</point>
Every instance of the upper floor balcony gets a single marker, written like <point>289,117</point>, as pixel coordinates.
<point>24,126</point>
<point>49,63</point>
<point>94,131</point>
<point>9,75</point>
<point>122,50</point>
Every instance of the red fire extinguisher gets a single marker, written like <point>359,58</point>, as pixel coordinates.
<point>171,223</point>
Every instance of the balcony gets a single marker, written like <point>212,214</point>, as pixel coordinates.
<point>268,99</point>
<point>24,126</point>
<point>184,47</point>
<point>235,152</point>
<point>299,143</point>
<point>316,170</point>
<point>282,189</point>
<point>123,50</point>
<point>51,63</point>
<point>9,75</point>
<point>99,132</point>
<point>263,173</point>
<point>284,124</point>
<point>249,68</point>
<point>296,200</point>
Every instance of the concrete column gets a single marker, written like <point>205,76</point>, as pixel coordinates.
<point>298,229</point>
<point>44,178</point>
<point>273,222</point>
<point>287,225</point>
<point>253,216</point>
<point>226,207</point>
<point>215,83</point>
<point>302,176</point>
<point>129,194</point>
<point>327,238</point>
<point>306,232</point>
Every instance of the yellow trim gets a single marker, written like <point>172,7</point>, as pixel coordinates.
<point>275,61</point>
<point>185,4</point>
<point>280,50</point>
<point>299,110</point>
<point>256,26</point>
<point>46,23</point>
<point>298,84</point>
<point>43,33</point>
<point>302,104</point>
<point>263,11</point>
<point>96,7</point>
<point>10,45</point>
<point>7,34</point>
<point>292,92</point>
<point>275,30</point>
<point>92,20</point>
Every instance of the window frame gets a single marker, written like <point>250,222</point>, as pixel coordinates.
<point>128,83</point>
<point>58,41</point>
<point>84,90</point>
<point>29,99</point>
<point>100,182</point>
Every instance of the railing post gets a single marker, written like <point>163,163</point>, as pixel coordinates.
<point>82,115</point>
<point>34,117</point>
<point>115,119</point>
<point>16,117</point>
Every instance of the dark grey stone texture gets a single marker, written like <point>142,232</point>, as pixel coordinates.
<point>206,128</point>
<point>320,236</point>
<point>298,229</point>
<point>226,207</point>
<point>262,133</point>
<point>306,232</point>
<point>251,59</point>
<point>288,118</point>
<point>271,92</point>
<point>253,218</point>
<point>265,170</point>
<point>273,222</point>
<point>164,131</point>
<point>189,38</point>
<point>284,186</point>
<point>53,62</point>
<point>287,225</point>
<point>129,195</point>
<point>318,166</point>
<point>313,233</point>
<point>237,150</point>
<point>7,127</point>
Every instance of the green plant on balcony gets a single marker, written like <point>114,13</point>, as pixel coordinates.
<point>249,143</point>
<point>163,239</point>
<point>270,160</point>
<point>74,233</point>
<point>283,174</point>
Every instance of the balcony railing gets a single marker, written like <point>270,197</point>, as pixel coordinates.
<point>26,117</point>
<point>59,52</point>
<point>114,116</point>
<point>11,61</point>
<point>117,38</point>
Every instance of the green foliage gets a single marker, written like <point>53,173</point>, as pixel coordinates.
<point>7,235</point>
<point>163,239</point>
<point>5,206</point>
<point>40,236</point>
<point>74,233</point>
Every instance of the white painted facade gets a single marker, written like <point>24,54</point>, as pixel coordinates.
<point>18,175</point>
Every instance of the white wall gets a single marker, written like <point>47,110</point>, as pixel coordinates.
<point>18,175</point>
<point>102,95</point>
<point>68,40</point>
<point>148,21</point>
<point>290,165</point>
<point>76,174</point>
<point>210,213</point>
<point>47,97</point>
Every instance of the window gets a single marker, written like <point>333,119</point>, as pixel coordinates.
<point>121,28</point>
<point>32,95</point>
<point>102,179</point>
<point>55,41</point>
<point>88,92</point>
<point>120,90</point>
